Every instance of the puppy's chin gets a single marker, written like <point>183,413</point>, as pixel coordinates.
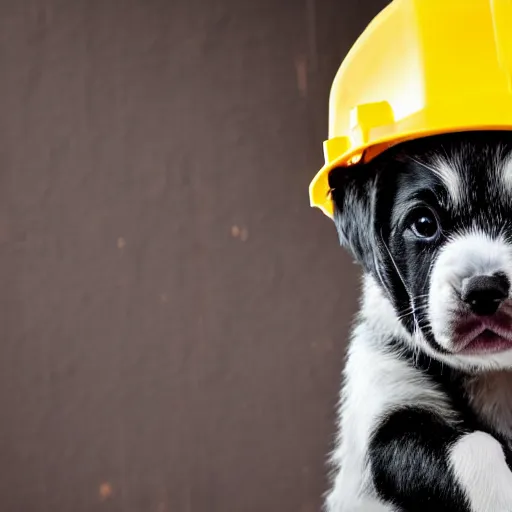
<point>497,355</point>
<point>482,361</point>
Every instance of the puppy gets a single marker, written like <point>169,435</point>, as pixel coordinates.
<point>425,417</point>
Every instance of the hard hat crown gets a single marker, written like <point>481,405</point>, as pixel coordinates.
<point>421,67</point>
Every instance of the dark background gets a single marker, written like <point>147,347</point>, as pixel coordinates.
<point>173,312</point>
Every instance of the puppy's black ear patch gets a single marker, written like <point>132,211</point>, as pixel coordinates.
<point>354,192</point>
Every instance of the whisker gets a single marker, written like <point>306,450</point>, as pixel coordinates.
<point>412,312</point>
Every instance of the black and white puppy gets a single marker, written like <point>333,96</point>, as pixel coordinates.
<point>425,418</point>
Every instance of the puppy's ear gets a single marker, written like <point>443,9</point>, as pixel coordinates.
<point>354,193</point>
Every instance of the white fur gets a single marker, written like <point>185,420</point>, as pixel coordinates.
<point>447,172</point>
<point>479,465</point>
<point>375,382</point>
<point>505,169</point>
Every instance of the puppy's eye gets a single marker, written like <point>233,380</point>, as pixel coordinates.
<point>424,224</point>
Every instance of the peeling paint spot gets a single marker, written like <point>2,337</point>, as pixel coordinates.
<point>121,243</point>
<point>241,233</point>
<point>106,491</point>
<point>301,68</point>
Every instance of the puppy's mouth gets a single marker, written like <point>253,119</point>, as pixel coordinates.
<point>483,335</point>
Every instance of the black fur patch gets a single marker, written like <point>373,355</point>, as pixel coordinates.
<point>408,459</point>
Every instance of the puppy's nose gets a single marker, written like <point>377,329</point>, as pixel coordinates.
<point>484,294</point>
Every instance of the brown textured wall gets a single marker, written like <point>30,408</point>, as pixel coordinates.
<point>173,312</point>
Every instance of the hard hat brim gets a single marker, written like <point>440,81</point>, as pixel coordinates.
<point>319,190</point>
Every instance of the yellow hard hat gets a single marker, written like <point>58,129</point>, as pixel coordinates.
<point>422,67</point>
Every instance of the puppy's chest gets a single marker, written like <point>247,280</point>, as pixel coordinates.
<point>490,397</point>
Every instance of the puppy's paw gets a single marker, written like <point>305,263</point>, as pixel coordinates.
<point>478,461</point>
